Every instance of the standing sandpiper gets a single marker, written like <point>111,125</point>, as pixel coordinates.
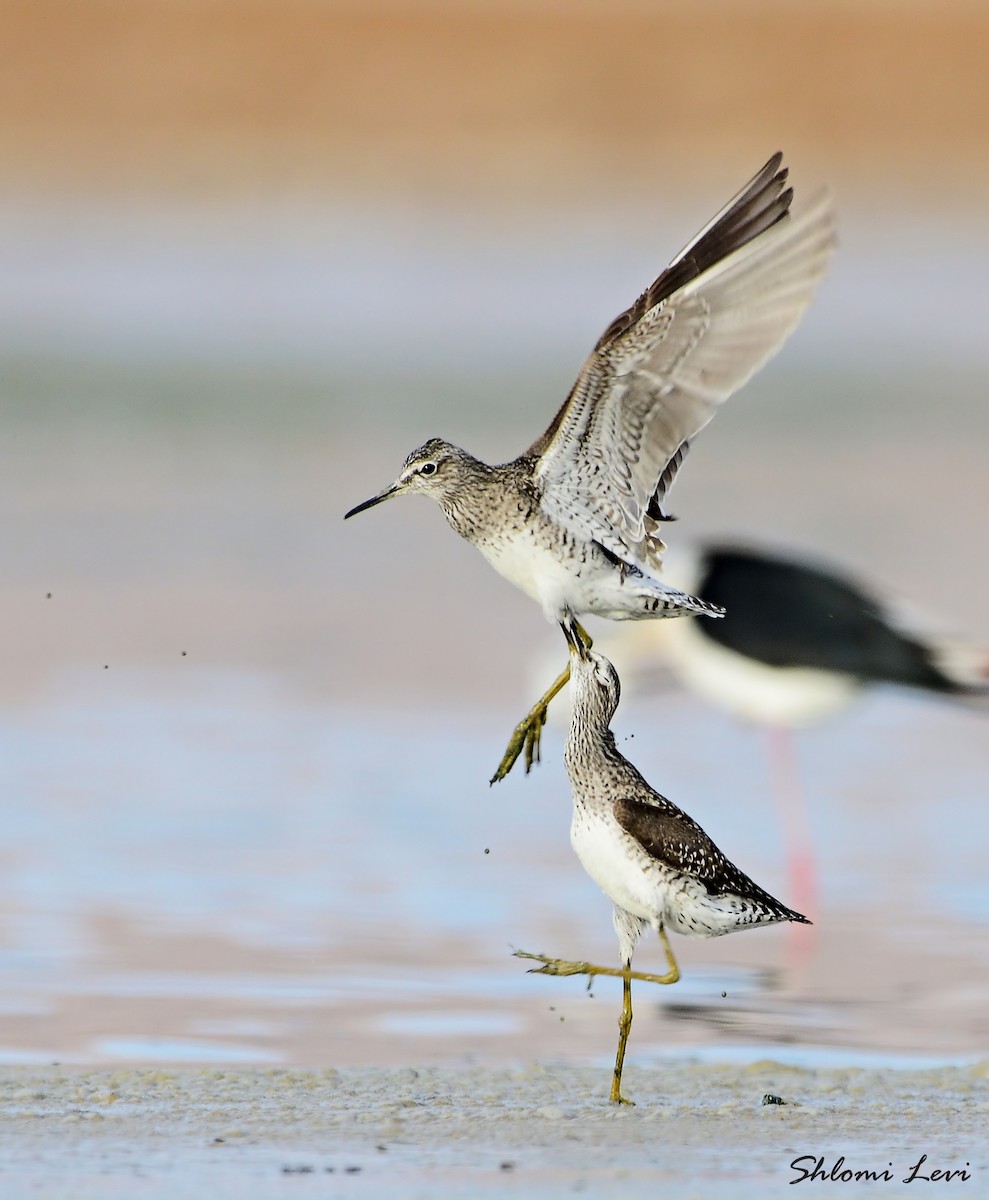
<point>653,861</point>
<point>574,520</point>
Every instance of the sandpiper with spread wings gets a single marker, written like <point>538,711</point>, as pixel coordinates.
<point>574,521</point>
<point>655,863</point>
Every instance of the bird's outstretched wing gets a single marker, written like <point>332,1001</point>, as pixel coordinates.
<point>723,307</point>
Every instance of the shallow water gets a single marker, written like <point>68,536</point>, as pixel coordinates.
<point>231,875</point>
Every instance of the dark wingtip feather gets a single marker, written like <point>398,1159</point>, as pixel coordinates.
<point>758,206</point>
<point>761,203</point>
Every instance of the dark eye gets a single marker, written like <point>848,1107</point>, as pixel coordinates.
<point>427,469</point>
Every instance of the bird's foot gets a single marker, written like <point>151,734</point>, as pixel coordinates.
<point>618,1098</point>
<point>527,735</point>
<point>530,729</point>
<point>561,966</point>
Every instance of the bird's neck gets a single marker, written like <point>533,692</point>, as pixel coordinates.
<point>468,504</point>
<point>591,751</point>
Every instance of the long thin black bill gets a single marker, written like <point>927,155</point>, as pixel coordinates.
<point>372,502</point>
<point>574,640</point>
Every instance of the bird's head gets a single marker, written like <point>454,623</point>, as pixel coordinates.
<point>596,689</point>
<point>434,469</point>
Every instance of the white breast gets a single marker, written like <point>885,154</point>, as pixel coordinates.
<point>536,570</point>
<point>603,849</point>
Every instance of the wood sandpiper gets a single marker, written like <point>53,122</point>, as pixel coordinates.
<point>574,521</point>
<point>653,861</point>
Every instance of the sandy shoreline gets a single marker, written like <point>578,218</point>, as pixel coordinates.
<point>540,1129</point>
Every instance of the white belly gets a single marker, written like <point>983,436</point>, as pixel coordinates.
<point>602,847</point>
<point>581,583</point>
<point>537,571</point>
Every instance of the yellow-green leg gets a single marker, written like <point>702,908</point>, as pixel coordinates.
<point>624,1028</point>
<point>528,732</point>
<point>561,966</point>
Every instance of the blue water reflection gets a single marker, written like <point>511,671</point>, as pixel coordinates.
<point>219,807</point>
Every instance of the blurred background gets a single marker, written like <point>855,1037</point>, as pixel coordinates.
<point>250,256</point>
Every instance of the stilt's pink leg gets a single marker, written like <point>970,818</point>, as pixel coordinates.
<point>801,865</point>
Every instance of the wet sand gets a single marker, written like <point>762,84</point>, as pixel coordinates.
<point>536,1130</point>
